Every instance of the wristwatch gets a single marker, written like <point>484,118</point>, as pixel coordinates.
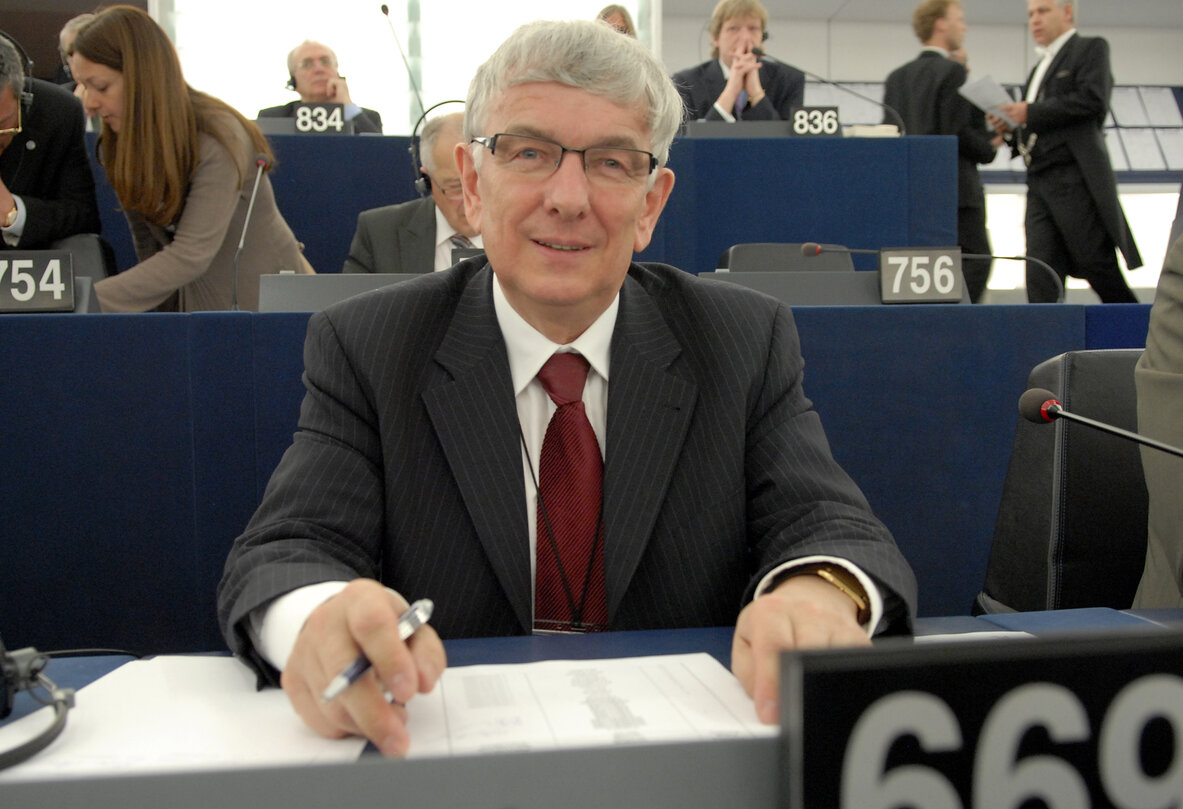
<point>10,220</point>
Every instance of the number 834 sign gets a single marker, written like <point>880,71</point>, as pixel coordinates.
<point>1079,722</point>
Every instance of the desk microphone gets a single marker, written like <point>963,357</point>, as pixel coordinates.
<point>815,249</point>
<point>23,670</point>
<point>1038,262</point>
<point>406,64</point>
<point>262,162</point>
<point>1041,406</point>
<point>760,54</point>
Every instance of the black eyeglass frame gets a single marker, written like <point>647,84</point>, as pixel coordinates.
<point>490,143</point>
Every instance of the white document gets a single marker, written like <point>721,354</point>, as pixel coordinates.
<point>988,96</point>
<point>581,703</point>
<point>172,713</point>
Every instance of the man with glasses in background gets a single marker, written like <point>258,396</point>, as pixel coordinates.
<point>419,236</point>
<point>555,438</point>
<point>47,190</point>
<point>312,72</point>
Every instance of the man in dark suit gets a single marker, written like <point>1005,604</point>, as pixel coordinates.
<point>418,236</point>
<point>312,72</point>
<point>1074,219</point>
<point>704,486</point>
<point>46,185</point>
<point>739,84</point>
<point>924,93</point>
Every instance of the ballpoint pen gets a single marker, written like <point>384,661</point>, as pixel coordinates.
<point>415,617</point>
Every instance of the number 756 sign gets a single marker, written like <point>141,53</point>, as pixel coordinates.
<point>920,275</point>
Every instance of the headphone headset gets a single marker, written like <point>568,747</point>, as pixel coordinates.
<point>26,65</point>
<point>422,181</point>
<point>22,671</point>
<point>291,85</point>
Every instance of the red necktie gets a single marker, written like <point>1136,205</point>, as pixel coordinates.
<point>569,586</point>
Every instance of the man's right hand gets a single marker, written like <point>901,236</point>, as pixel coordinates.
<point>744,69</point>
<point>362,618</point>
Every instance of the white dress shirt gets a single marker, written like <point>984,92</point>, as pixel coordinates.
<point>1049,53</point>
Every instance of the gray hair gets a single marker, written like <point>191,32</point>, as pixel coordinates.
<point>453,122</point>
<point>74,25</point>
<point>12,68</point>
<point>579,53</point>
<point>292,54</point>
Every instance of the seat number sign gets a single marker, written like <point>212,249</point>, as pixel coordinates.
<point>321,118</point>
<point>36,281</point>
<point>811,122</point>
<point>1080,721</point>
<point>920,275</point>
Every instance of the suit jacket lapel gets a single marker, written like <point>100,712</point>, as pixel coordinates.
<point>649,412</point>
<point>418,251</point>
<point>476,419</point>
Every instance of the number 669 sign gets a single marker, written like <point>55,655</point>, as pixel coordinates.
<point>1081,722</point>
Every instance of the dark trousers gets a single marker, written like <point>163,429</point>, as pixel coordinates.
<point>973,238</point>
<point>1065,230</point>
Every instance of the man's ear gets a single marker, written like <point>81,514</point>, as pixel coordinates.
<point>469,183</point>
<point>655,199</point>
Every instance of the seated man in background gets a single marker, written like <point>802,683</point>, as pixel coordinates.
<point>46,185</point>
<point>685,481</point>
<point>312,70</point>
<point>740,83</point>
<point>418,236</point>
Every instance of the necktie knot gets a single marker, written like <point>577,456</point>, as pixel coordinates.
<point>563,377</point>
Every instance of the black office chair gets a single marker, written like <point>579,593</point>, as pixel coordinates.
<point>1071,528</point>
<point>781,256</point>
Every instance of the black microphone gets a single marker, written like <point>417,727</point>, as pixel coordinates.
<point>1040,406</point>
<point>402,53</point>
<point>1038,262</point>
<point>261,162</point>
<point>760,54</point>
<point>815,249</point>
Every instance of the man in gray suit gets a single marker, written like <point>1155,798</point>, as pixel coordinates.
<point>418,236</point>
<point>421,462</point>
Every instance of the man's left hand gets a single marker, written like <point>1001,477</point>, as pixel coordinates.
<point>802,612</point>
<point>338,91</point>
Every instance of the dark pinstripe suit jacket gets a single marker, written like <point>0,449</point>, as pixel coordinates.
<point>407,466</point>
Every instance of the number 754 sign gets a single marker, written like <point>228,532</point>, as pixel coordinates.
<point>36,281</point>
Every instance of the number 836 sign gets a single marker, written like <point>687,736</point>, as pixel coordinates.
<point>1076,723</point>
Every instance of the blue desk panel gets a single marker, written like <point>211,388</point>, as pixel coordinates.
<point>861,192</point>
<point>134,448</point>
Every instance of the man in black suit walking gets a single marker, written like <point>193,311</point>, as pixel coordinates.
<point>46,185</point>
<point>924,93</point>
<point>1074,219</point>
<point>710,496</point>
<point>737,84</point>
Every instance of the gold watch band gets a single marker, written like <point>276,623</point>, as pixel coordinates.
<point>842,579</point>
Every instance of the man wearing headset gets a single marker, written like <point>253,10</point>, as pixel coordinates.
<point>46,185</point>
<point>418,236</point>
<point>312,67</point>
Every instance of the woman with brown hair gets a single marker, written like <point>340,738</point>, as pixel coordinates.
<point>183,165</point>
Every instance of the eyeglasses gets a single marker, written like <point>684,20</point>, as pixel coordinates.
<point>17,129</point>
<point>309,63</point>
<point>539,158</point>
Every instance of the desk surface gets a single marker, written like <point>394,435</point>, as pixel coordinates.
<point>732,773</point>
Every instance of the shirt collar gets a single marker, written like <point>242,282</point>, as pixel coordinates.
<point>444,230</point>
<point>529,349</point>
<point>935,49</point>
<point>1057,44</point>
